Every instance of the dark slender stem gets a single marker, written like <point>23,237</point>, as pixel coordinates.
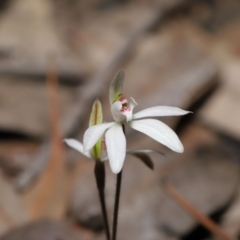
<point>116,205</point>
<point>117,198</point>
<point>99,171</point>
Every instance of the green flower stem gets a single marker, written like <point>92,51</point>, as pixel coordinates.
<point>116,205</point>
<point>99,171</point>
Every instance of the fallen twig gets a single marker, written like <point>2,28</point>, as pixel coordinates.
<point>204,220</point>
<point>56,163</point>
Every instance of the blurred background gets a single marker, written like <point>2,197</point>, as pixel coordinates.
<point>56,57</point>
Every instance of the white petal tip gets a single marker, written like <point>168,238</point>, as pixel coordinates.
<point>73,143</point>
<point>187,112</point>
<point>116,171</point>
<point>180,149</point>
<point>184,112</point>
<point>116,167</point>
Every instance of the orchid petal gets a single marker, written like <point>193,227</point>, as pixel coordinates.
<point>142,156</point>
<point>92,135</point>
<point>160,111</point>
<point>77,146</point>
<point>118,115</point>
<point>160,132</point>
<point>104,155</point>
<point>132,104</point>
<point>146,151</point>
<point>116,111</point>
<point>128,115</point>
<point>116,147</point>
<point>116,86</point>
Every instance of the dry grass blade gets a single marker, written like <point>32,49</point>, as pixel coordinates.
<point>50,177</point>
<point>204,220</point>
<point>4,216</point>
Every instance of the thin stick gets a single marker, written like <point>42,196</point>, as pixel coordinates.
<point>47,182</point>
<point>116,205</point>
<point>204,220</point>
<point>99,171</point>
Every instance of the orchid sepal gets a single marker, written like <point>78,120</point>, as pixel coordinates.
<point>144,157</point>
<point>93,134</point>
<point>116,147</point>
<point>159,131</point>
<point>97,146</point>
<point>73,143</point>
<point>96,118</point>
<point>116,86</point>
<point>160,111</point>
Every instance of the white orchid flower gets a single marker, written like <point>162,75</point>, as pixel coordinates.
<point>122,113</point>
<point>98,150</point>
